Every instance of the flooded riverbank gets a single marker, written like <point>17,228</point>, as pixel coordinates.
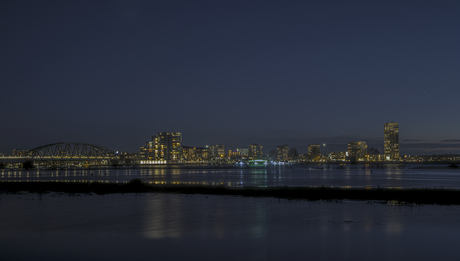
<point>399,195</point>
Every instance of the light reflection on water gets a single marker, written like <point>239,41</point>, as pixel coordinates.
<point>337,176</point>
<point>272,228</point>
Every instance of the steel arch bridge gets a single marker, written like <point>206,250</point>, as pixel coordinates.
<point>71,151</point>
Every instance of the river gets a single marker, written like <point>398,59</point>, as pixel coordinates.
<point>389,175</point>
<point>176,227</point>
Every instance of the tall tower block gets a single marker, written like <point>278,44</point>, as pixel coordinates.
<point>391,141</point>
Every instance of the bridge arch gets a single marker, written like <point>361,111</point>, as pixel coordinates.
<point>71,151</point>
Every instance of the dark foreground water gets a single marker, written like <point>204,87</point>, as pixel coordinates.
<point>183,227</point>
<point>197,227</point>
<point>438,176</point>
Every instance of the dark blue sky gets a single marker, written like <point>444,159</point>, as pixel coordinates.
<point>114,73</point>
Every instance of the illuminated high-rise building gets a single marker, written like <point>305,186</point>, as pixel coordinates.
<point>357,150</point>
<point>167,146</point>
<point>391,141</point>
<point>282,152</point>
<point>255,151</point>
<point>314,151</point>
<point>164,147</point>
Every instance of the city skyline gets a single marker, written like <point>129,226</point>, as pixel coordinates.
<point>271,73</point>
<point>356,149</point>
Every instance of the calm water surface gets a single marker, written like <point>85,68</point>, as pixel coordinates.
<point>178,227</point>
<point>310,175</point>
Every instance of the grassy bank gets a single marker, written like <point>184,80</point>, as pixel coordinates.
<point>410,195</point>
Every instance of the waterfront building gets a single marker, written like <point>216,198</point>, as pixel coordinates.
<point>314,152</point>
<point>282,152</point>
<point>128,158</point>
<point>163,148</point>
<point>147,152</point>
<point>243,151</point>
<point>167,146</point>
<point>234,155</point>
<point>203,153</point>
<point>195,154</point>
<point>217,150</point>
<point>391,141</point>
<point>255,151</point>
<point>303,157</point>
<point>20,153</point>
<point>337,155</point>
<point>377,157</point>
<point>357,150</point>
<point>188,154</point>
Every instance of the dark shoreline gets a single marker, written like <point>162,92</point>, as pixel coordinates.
<point>390,195</point>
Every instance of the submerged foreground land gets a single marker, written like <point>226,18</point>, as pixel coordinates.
<point>394,195</point>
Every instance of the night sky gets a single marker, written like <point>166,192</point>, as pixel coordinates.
<point>114,73</point>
